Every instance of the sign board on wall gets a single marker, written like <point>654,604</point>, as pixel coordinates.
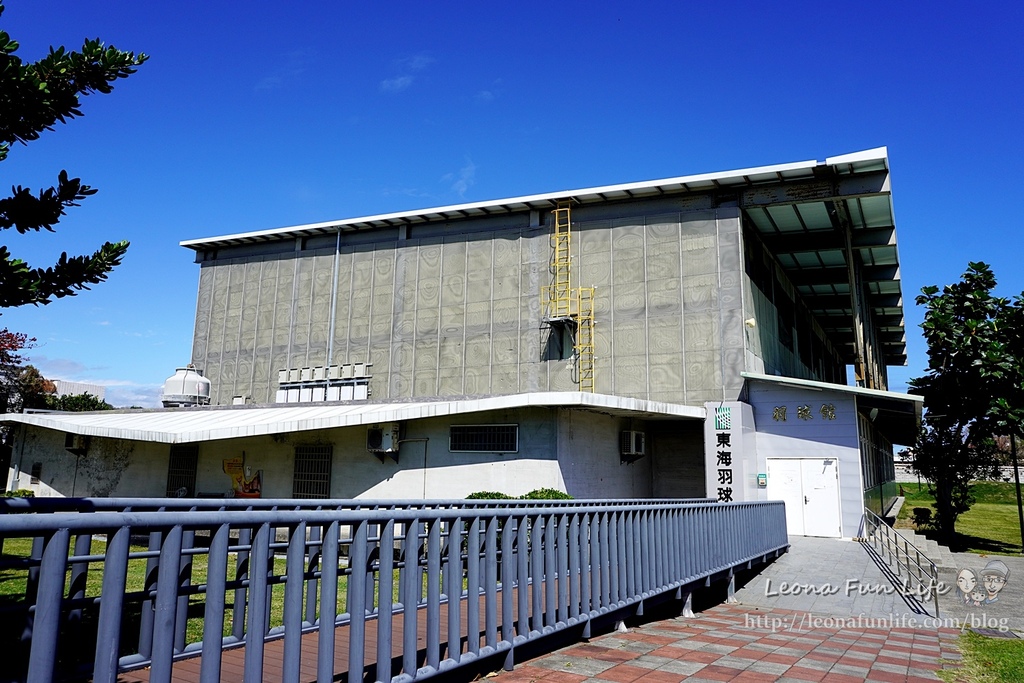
<point>730,457</point>
<point>244,484</point>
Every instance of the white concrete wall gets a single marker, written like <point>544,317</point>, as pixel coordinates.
<point>570,450</point>
<point>588,453</point>
<point>814,438</point>
<point>109,468</point>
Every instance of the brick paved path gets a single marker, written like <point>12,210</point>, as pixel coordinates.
<point>739,643</point>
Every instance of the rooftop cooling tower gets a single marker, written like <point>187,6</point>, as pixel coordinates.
<point>186,388</point>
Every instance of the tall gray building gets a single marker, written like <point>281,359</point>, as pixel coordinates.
<point>580,340</point>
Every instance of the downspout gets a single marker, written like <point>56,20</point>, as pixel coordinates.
<point>334,301</point>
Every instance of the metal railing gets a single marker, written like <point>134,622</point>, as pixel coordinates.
<point>440,587</point>
<point>918,575</point>
<point>59,504</point>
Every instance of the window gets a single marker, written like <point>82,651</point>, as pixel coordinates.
<point>37,472</point>
<point>181,471</point>
<point>312,477</point>
<point>483,439</point>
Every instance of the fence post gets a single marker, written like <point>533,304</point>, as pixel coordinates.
<point>165,606</point>
<point>385,600</point>
<point>508,583</point>
<point>213,616</point>
<point>328,605</point>
<point>53,561</point>
<point>294,565</point>
<point>256,627</point>
<point>412,589</point>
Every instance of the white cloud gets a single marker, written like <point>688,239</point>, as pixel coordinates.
<point>127,395</point>
<point>58,368</point>
<point>463,180</point>
<point>485,96</point>
<point>405,192</point>
<point>394,85</point>
<point>415,62</point>
<point>291,67</point>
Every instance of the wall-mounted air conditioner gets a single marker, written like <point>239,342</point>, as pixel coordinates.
<point>383,439</point>
<point>632,445</point>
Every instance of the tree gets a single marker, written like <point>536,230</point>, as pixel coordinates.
<point>33,390</point>
<point>77,403</point>
<point>34,97</point>
<point>967,329</point>
<point>11,346</point>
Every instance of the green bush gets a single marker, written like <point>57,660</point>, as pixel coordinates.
<point>546,494</point>
<point>488,495</point>
<point>20,493</point>
<point>536,494</point>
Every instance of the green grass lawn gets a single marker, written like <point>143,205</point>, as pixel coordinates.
<point>12,584</point>
<point>988,660</point>
<point>991,525</point>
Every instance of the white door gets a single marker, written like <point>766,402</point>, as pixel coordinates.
<point>821,496</point>
<point>785,483</point>
<point>810,489</point>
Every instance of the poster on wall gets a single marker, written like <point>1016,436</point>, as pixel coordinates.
<point>244,484</point>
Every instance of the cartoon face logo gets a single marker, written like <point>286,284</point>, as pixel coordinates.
<point>994,577</point>
<point>966,583</point>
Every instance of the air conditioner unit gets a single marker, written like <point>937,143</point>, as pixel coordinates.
<point>632,446</point>
<point>76,443</point>
<point>383,438</point>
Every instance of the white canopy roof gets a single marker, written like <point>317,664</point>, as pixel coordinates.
<point>188,425</point>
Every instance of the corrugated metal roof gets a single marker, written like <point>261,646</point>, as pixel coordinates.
<point>208,424</point>
<point>649,188</point>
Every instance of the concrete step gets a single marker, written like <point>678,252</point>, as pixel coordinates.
<point>941,555</point>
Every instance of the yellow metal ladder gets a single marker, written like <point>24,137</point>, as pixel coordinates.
<point>559,294</point>
<point>585,338</point>
<point>563,305</point>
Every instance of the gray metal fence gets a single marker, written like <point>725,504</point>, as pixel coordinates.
<point>401,593</point>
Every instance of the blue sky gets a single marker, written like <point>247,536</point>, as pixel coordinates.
<point>258,115</point>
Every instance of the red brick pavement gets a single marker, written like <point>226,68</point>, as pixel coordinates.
<point>743,644</point>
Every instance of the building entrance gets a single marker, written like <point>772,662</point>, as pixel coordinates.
<point>810,489</point>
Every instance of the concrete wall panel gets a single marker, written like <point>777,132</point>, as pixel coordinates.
<point>422,309</point>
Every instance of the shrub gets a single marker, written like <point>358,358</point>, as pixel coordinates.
<point>488,495</point>
<point>546,494</point>
<point>20,493</point>
<point>923,518</point>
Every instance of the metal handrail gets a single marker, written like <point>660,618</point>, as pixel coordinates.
<point>523,573</point>
<point>922,574</point>
<point>60,504</point>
